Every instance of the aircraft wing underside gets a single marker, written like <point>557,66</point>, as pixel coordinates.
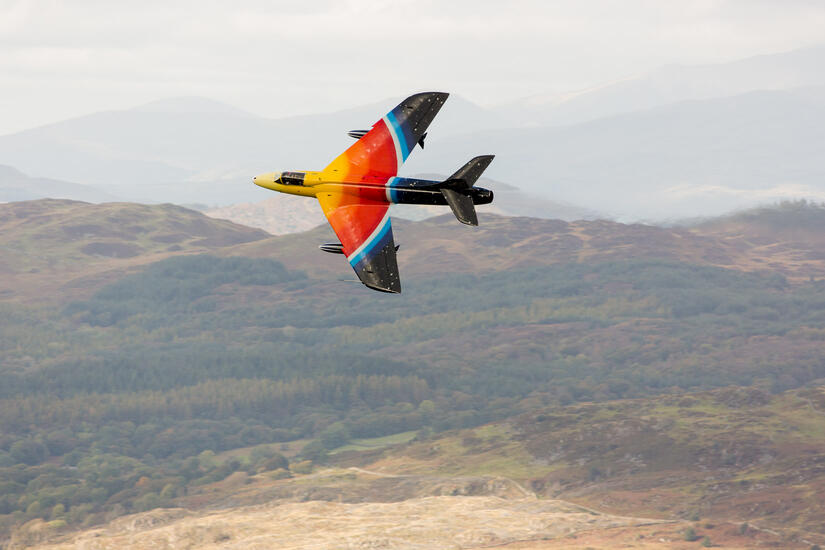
<point>363,226</point>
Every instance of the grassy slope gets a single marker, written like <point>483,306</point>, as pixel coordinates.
<point>726,455</point>
<point>441,245</point>
<point>710,461</point>
<point>60,249</point>
<point>54,249</point>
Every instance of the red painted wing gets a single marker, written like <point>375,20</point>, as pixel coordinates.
<point>362,223</point>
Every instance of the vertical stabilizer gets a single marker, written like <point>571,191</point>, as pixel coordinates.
<point>470,172</point>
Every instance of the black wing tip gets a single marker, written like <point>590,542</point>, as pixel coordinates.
<point>438,96</point>
<point>382,289</point>
<point>380,270</point>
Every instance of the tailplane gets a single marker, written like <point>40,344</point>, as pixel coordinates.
<point>456,189</point>
<point>470,172</point>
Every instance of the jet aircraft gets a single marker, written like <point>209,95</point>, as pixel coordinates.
<point>357,189</point>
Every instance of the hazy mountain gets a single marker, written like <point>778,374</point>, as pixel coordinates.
<point>690,158</point>
<point>687,142</point>
<point>189,150</point>
<point>670,84</point>
<point>17,186</point>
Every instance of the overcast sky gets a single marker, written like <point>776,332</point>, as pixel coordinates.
<point>64,59</point>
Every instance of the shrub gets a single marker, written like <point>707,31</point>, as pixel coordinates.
<point>335,435</point>
<point>276,462</point>
<point>303,467</point>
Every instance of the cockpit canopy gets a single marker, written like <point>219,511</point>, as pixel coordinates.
<point>291,178</point>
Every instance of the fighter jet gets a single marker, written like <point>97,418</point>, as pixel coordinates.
<point>357,189</point>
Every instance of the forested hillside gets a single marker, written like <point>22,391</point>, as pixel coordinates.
<point>118,397</point>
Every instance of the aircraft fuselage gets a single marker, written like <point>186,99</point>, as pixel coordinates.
<point>396,190</point>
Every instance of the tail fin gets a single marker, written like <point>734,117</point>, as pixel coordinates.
<point>470,172</point>
<point>461,205</point>
<point>455,189</point>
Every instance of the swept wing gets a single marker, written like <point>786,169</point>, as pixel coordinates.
<point>358,210</point>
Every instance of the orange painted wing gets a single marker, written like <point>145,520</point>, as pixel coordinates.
<point>361,219</point>
<point>381,152</point>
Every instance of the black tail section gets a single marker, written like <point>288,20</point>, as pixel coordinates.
<point>470,172</point>
<point>461,205</point>
<point>456,189</point>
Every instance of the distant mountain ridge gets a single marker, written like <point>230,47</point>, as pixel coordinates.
<point>671,84</point>
<point>17,186</point>
<point>680,142</point>
<point>196,150</point>
<point>703,157</point>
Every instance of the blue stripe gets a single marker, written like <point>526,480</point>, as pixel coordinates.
<point>393,191</point>
<point>368,249</point>
<point>399,132</point>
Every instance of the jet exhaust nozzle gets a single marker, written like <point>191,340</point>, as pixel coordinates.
<point>332,248</point>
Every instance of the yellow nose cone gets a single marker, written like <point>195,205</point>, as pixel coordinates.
<point>266,180</point>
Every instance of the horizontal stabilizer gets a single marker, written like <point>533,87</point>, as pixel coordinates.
<point>421,139</point>
<point>470,172</point>
<point>461,205</point>
<point>357,134</point>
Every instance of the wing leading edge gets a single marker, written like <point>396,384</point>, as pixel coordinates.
<point>381,152</point>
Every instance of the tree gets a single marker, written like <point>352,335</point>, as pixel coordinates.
<point>334,435</point>
<point>58,511</point>
<point>169,491</point>
<point>33,509</point>
<point>314,451</point>
<point>28,451</point>
<point>147,502</point>
<point>275,462</point>
<point>427,410</point>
